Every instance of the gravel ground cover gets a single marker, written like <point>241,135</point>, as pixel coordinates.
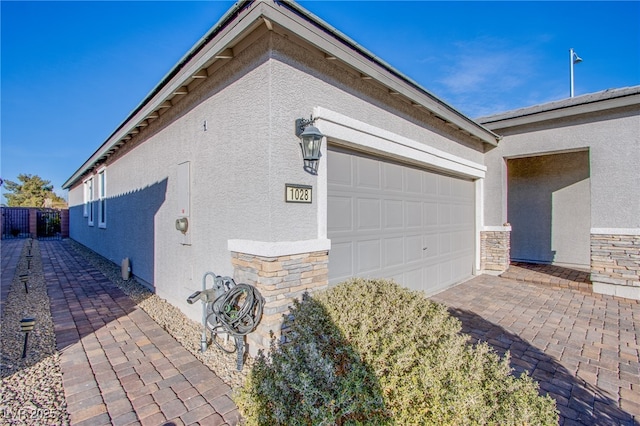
<point>31,389</point>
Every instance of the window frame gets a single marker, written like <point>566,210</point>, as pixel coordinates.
<point>89,201</point>
<point>85,198</point>
<point>102,197</point>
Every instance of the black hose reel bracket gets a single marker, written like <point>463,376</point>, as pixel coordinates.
<point>228,309</point>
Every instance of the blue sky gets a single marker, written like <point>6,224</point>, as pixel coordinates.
<point>72,71</point>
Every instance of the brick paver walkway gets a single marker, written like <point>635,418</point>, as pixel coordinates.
<point>582,348</point>
<point>11,250</point>
<point>119,366</point>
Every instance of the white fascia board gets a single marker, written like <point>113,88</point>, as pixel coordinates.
<point>278,248</point>
<point>366,137</point>
<point>323,41</point>
<point>563,112</point>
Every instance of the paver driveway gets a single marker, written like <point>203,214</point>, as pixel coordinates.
<point>582,348</point>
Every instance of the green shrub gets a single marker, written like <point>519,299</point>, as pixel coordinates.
<point>374,352</point>
<point>316,379</point>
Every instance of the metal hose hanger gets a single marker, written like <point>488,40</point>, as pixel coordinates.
<point>238,310</point>
<point>229,309</point>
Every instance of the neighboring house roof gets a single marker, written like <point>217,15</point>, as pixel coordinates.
<point>243,18</point>
<point>592,102</point>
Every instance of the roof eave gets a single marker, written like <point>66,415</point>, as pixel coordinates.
<point>532,116</point>
<point>369,64</point>
<point>243,17</point>
<point>143,107</point>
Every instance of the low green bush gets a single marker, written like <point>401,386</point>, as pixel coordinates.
<point>372,352</point>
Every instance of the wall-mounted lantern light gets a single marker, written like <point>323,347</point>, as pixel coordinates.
<point>310,143</point>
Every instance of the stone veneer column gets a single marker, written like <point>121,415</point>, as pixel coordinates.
<point>615,262</point>
<point>281,274</point>
<point>495,248</point>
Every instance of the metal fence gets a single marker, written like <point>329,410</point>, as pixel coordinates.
<point>48,224</point>
<point>15,222</point>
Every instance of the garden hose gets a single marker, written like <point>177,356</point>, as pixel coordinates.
<point>235,312</point>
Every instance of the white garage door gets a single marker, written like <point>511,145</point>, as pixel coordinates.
<point>387,220</point>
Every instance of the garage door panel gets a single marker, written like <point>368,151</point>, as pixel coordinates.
<point>413,279</point>
<point>444,185</point>
<point>368,173</point>
<point>444,214</point>
<point>430,245</point>
<point>456,215</point>
<point>368,255</point>
<point>430,211</point>
<point>444,244</point>
<point>341,171</point>
<point>368,216</point>
<point>462,267</point>
<point>431,279</point>
<point>393,213</point>
<point>387,220</point>
<point>413,248</point>
<point>393,252</point>
<point>457,189</point>
<point>430,183</point>
<point>413,217</point>
<point>341,260</point>
<point>392,178</point>
<point>413,181</point>
<point>444,272</point>
<point>341,215</point>
<point>457,241</point>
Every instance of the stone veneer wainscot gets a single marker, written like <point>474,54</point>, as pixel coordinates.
<point>615,262</point>
<point>280,278</point>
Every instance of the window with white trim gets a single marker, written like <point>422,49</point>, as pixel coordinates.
<point>85,198</point>
<point>89,200</point>
<point>102,198</point>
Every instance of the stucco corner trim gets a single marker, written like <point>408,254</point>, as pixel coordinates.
<point>505,228</point>
<point>278,248</point>
<point>615,231</point>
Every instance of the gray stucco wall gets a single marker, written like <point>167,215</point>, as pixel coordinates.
<point>239,164</point>
<point>613,141</point>
<point>305,79</point>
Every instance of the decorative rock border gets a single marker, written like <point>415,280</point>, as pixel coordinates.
<point>31,387</point>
